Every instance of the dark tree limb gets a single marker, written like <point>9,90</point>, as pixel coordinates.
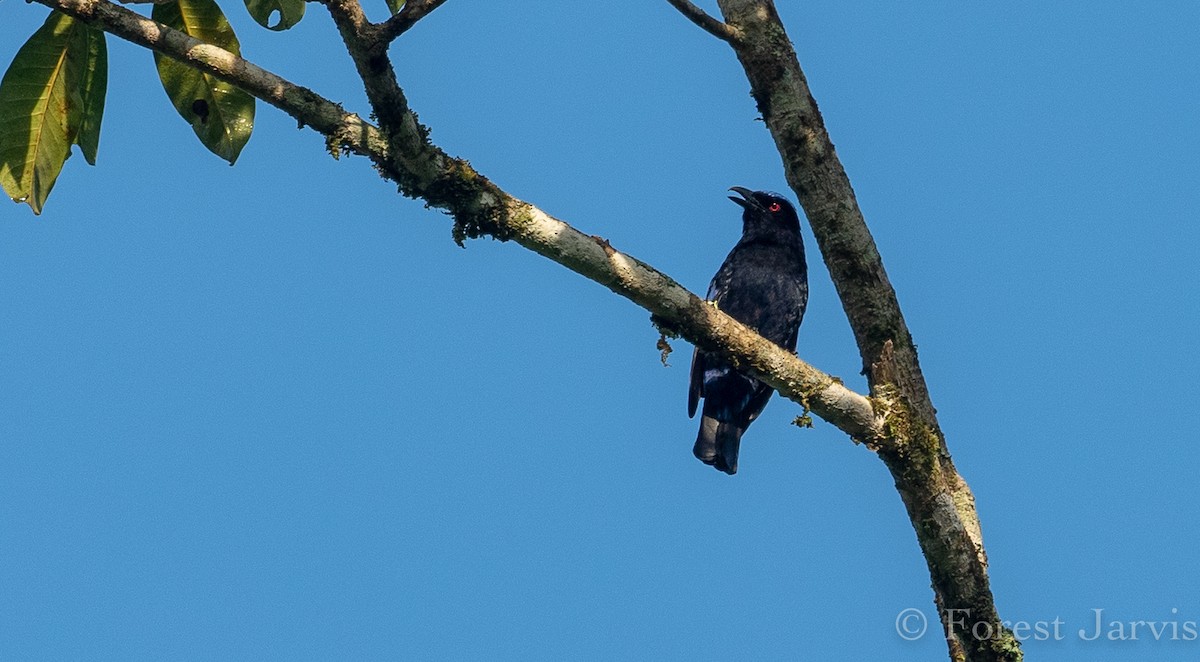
<point>716,28</point>
<point>939,503</point>
<point>398,24</point>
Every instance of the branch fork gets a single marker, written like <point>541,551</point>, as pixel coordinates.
<point>897,420</point>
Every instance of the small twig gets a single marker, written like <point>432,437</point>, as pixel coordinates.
<point>718,29</point>
<point>413,11</point>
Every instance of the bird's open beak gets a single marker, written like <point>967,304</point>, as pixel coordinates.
<point>745,201</point>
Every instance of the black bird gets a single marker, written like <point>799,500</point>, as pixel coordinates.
<point>764,285</point>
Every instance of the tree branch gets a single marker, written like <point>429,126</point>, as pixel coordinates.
<point>480,207</point>
<point>939,503</point>
<point>408,138</point>
<point>722,31</point>
<point>903,428</point>
<point>399,23</point>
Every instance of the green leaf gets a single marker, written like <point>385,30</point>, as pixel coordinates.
<point>290,12</point>
<point>221,115</point>
<point>91,89</point>
<point>51,97</point>
<point>395,5</point>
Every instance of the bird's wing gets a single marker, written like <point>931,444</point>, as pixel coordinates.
<point>720,283</point>
<point>716,291</point>
<point>696,385</point>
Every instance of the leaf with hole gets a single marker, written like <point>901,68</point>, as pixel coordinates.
<point>221,115</point>
<point>290,12</point>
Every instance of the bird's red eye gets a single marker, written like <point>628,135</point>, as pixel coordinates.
<point>774,207</point>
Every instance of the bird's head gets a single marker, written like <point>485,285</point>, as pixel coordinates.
<point>766,211</point>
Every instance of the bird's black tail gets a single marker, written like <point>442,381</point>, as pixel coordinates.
<point>717,444</point>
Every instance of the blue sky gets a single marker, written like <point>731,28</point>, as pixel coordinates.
<point>273,412</point>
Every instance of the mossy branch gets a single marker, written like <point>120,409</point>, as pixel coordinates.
<point>402,152</point>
